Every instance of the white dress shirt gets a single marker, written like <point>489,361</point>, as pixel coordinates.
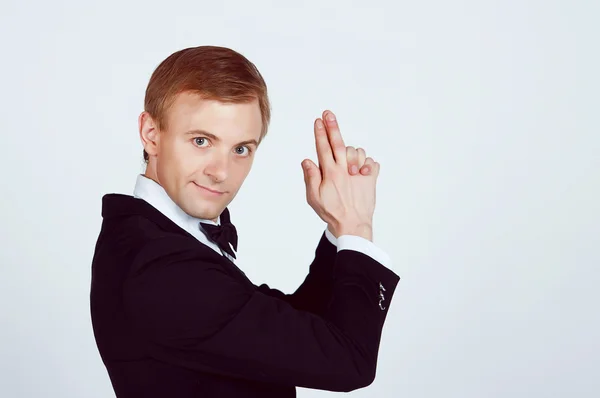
<point>153,193</point>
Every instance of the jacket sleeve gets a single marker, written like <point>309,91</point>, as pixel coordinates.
<point>314,293</point>
<point>192,313</point>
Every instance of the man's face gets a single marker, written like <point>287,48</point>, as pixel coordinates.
<point>208,145</point>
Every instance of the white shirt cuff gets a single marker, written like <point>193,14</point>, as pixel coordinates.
<point>330,237</point>
<point>360,244</point>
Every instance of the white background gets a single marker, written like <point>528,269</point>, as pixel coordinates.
<point>483,114</point>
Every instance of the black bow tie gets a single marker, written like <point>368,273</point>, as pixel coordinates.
<point>222,234</point>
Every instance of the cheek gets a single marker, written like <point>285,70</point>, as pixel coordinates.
<point>177,164</point>
<point>243,172</point>
<point>185,157</point>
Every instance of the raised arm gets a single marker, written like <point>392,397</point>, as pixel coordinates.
<point>314,293</point>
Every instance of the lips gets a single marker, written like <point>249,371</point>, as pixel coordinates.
<point>210,190</point>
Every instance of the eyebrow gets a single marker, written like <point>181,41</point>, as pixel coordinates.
<point>214,137</point>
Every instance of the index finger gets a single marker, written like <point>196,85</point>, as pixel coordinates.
<point>335,139</point>
<point>324,153</point>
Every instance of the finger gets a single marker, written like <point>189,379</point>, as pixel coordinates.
<point>335,138</point>
<point>375,168</point>
<point>324,152</point>
<point>352,160</point>
<point>368,167</point>
<point>362,156</point>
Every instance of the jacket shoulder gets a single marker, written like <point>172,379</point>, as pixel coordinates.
<point>135,240</point>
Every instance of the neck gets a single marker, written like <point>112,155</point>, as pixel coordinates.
<point>151,172</point>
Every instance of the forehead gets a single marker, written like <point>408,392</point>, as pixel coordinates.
<point>190,112</point>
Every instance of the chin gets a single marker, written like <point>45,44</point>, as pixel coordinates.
<point>199,209</point>
<point>204,212</point>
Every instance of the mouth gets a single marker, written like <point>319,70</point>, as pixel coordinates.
<point>215,192</point>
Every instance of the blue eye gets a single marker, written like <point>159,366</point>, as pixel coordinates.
<point>199,138</point>
<point>248,148</point>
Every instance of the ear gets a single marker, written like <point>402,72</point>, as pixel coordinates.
<point>148,133</point>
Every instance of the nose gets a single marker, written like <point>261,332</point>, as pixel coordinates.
<point>217,168</point>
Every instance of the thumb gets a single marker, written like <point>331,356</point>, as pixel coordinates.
<point>312,176</point>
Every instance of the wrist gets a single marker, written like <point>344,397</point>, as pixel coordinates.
<point>364,230</point>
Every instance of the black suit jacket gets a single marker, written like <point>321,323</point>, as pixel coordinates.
<point>174,318</point>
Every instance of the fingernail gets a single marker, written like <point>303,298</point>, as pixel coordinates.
<point>331,117</point>
<point>366,170</point>
<point>354,169</point>
<point>319,124</point>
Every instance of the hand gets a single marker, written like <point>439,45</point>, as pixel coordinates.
<point>345,202</point>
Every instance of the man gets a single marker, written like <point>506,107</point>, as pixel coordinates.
<point>173,315</point>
